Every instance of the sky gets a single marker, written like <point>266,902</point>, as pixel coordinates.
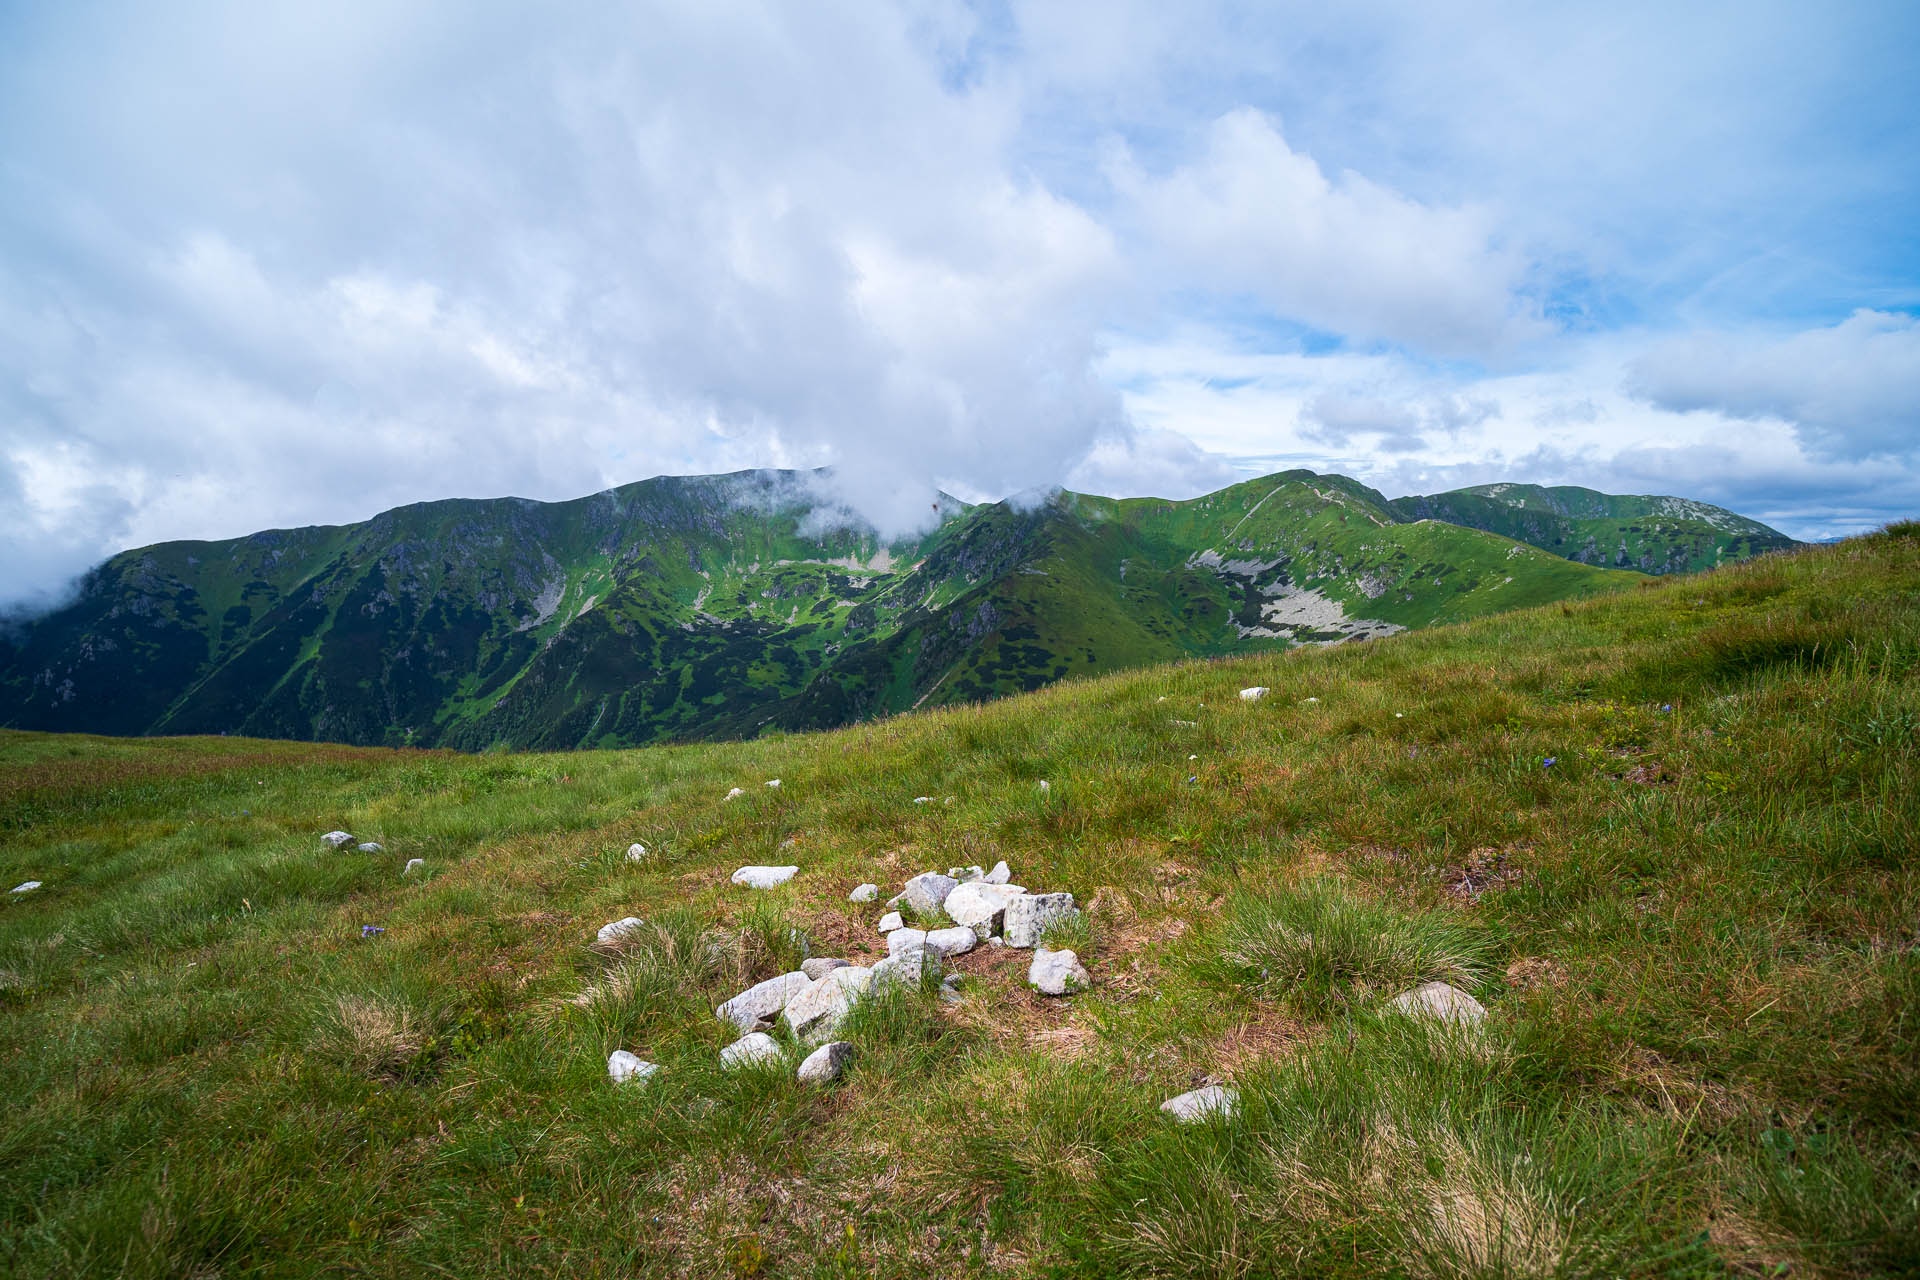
<point>268,264</point>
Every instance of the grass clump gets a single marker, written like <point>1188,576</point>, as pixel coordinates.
<point>378,1036</point>
<point>1321,950</point>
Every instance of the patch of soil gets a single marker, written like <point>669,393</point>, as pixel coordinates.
<point>1485,869</point>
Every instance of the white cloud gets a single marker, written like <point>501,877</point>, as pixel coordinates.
<point>1851,390</point>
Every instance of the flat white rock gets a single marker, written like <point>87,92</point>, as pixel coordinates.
<point>956,941</point>
<point>413,865</point>
<point>923,799</point>
<point>1029,914</point>
<point>1439,1000</point>
<point>737,791</point>
<point>371,846</point>
<point>1057,973</point>
<point>624,1066</point>
<point>27,886</point>
<point>764,877</point>
<point>335,839</point>
<point>926,892</point>
<point>774,783</point>
<point>981,906</point>
<point>751,1050</point>
<point>827,1063</point>
<point>817,1012</point>
<point>1254,694</point>
<point>1202,1104</point>
<point>613,932</point>
<point>636,852</point>
<point>865,893</point>
<point>891,921</point>
<point>762,1002</point>
<point>1000,874</point>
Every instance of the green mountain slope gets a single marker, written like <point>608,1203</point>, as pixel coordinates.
<point>722,606</point>
<point>1650,534</point>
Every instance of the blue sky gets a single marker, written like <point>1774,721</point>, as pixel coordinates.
<point>267,264</point>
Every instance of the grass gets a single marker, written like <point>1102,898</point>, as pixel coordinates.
<point>1695,931</point>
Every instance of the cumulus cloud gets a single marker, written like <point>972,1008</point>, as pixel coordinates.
<point>1851,390</point>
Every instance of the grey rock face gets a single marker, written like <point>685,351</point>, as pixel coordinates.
<point>610,933</point>
<point>1057,973</point>
<point>337,839</point>
<point>764,877</point>
<point>1030,913</point>
<point>827,1063</point>
<point>865,893</point>
<point>820,966</point>
<point>817,1012</point>
<point>624,1066</point>
<point>752,1049</point>
<point>761,1003</point>
<point>1213,1101</point>
<point>1448,1004</point>
<point>926,892</point>
<point>909,969</point>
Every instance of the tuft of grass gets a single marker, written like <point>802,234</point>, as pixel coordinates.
<point>374,1035</point>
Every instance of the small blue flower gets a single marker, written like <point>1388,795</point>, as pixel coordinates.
<point>369,930</point>
<point>1666,706</point>
<point>1549,762</point>
<point>1195,778</point>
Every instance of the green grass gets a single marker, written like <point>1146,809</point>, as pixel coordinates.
<point>1696,933</point>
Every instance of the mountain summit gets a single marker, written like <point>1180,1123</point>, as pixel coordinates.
<point>721,606</point>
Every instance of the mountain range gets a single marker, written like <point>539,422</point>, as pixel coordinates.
<point>726,606</point>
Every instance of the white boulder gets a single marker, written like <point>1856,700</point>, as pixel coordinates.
<point>817,1012</point>
<point>624,1066</point>
<point>610,933</point>
<point>908,969</point>
<point>1029,914</point>
<point>891,921</point>
<point>762,1002</point>
<point>1254,694</point>
<point>764,877</point>
<point>1057,973</point>
<point>774,783</point>
<point>926,892</point>
<point>413,865</point>
<point>901,941</point>
<point>371,846</point>
<point>865,893</point>
<point>820,966</point>
<point>1202,1104</point>
<point>754,1049</point>
<point>27,886</point>
<point>827,1063</point>
<point>956,941</point>
<point>1439,1000</point>
<point>636,852</point>
<point>736,792</point>
<point>337,839</point>
<point>1000,874</point>
<point>981,906</point>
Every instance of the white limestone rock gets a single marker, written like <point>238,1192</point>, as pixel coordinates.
<point>337,839</point>
<point>413,865</point>
<point>908,969</point>
<point>736,793</point>
<point>27,886</point>
<point>1057,973</point>
<point>966,875</point>
<point>1254,694</point>
<point>754,1049</point>
<point>827,1063</point>
<point>1448,1004</point>
<point>1029,914</point>
<point>371,846</point>
<point>761,1003</point>
<point>612,933</point>
<point>956,941</point>
<point>816,1013</point>
<point>1208,1103</point>
<point>865,893</point>
<point>636,852</point>
<point>1044,786</point>
<point>774,783</point>
<point>820,966</point>
<point>923,799</point>
<point>891,921</point>
<point>764,877</point>
<point>926,892</point>
<point>981,907</point>
<point>624,1066</point>
<point>1000,874</point>
<point>901,941</point>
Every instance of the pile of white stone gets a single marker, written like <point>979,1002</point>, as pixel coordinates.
<point>815,1000</point>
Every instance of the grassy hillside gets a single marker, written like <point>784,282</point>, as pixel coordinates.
<point>1666,835</point>
<point>1651,534</point>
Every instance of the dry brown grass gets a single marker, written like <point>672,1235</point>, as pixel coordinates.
<point>373,1035</point>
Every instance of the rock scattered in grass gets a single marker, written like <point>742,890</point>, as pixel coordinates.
<point>1212,1101</point>
<point>751,1050</point>
<point>820,966</point>
<point>636,852</point>
<point>966,875</point>
<point>981,907</point>
<point>927,892</point>
<point>25,887</point>
<point>1000,874</point>
<point>865,893</point>
<point>817,1012</point>
<point>901,941</point>
<point>908,969</point>
<point>760,1004</point>
<point>956,941</point>
<point>371,846</point>
<point>413,865</point>
<point>950,989</point>
<point>1045,786</point>
<point>827,1063</point>
<point>774,783</point>
<point>764,877</point>
<point>618,929</point>
<point>923,799</point>
<point>624,1066</point>
<point>1254,694</point>
<point>337,839</point>
<point>1439,1000</point>
<point>891,921</point>
<point>736,792</point>
<point>1030,913</point>
<point>1057,973</point>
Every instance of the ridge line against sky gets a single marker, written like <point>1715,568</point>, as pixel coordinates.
<point>271,264</point>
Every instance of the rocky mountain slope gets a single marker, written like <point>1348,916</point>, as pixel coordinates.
<point>720,606</point>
